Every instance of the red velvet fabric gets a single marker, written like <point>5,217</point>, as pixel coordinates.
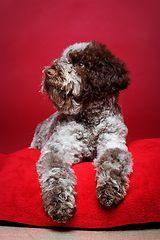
<point>21,201</point>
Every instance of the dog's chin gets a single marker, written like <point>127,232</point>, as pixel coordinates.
<point>67,106</point>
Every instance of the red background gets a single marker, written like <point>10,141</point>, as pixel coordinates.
<point>33,33</point>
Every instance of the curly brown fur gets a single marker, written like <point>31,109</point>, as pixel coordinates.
<point>84,86</point>
<point>101,72</point>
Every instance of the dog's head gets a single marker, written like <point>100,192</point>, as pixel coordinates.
<point>86,73</point>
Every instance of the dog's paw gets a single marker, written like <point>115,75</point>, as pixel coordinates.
<point>61,210</point>
<point>109,195</point>
<point>59,199</point>
<point>58,193</point>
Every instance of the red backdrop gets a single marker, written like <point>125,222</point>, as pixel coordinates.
<point>33,33</point>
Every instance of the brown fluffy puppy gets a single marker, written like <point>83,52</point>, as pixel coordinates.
<point>84,86</point>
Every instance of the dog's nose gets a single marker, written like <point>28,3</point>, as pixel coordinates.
<point>50,72</point>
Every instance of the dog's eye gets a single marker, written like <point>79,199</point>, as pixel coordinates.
<point>81,64</point>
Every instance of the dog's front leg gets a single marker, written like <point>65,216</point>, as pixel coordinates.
<point>58,187</point>
<point>113,167</point>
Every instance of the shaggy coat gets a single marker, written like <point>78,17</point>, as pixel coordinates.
<point>84,86</point>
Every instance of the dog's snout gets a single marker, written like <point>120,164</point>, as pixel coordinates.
<point>50,72</point>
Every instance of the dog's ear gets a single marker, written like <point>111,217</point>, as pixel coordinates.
<point>118,77</point>
<point>105,73</point>
<point>112,72</point>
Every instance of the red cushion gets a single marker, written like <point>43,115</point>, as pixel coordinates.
<point>20,194</point>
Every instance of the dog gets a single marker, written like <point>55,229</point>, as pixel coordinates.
<point>84,86</point>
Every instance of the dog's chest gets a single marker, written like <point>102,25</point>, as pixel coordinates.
<point>84,132</point>
<point>77,138</point>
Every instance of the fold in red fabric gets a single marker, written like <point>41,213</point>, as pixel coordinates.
<point>21,200</point>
